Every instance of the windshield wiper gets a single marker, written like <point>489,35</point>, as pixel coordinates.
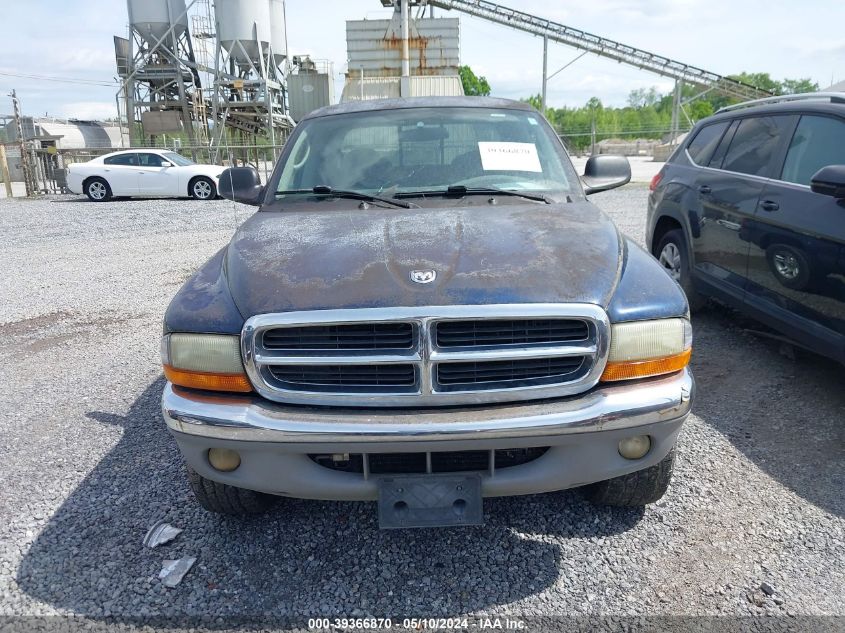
<point>461,190</point>
<point>322,190</point>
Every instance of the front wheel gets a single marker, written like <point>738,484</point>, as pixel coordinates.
<point>226,499</point>
<point>202,188</point>
<point>97,190</point>
<point>673,255</point>
<point>635,489</point>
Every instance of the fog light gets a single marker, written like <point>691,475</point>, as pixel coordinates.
<point>227,460</point>
<point>635,447</point>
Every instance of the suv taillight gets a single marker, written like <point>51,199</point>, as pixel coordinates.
<point>655,181</point>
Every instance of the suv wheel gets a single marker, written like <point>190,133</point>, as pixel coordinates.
<point>635,489</point>
<point>226,499</point>
<point>790,266</point>
<point>673,255</point>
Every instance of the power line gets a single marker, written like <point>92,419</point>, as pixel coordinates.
<point>67,80</point>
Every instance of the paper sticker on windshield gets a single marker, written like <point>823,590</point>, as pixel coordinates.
<point>509,157</point>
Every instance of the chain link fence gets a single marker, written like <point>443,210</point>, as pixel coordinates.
<point>49,164</point>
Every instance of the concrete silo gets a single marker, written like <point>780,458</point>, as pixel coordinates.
<point>250,96</point>
<point>161,85</point>
<point>243,29</point>
<point>278,31</point>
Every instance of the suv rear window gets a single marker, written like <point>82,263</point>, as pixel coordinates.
<point>755,143</point>
<point>724,144</point>
<point>701,148</point>
<point>818,142</point>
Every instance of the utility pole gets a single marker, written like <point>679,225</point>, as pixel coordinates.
<point>545,73</point>
<point>405,79</point>
<point>676,111</point>
<point>4,169</point>
<point>29,180</point>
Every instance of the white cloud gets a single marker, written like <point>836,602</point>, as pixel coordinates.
<point>724,36</point>
<point>83,58</point>
<point>88,110</point>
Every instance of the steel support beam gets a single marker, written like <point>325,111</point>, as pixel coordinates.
<point>602,46</point>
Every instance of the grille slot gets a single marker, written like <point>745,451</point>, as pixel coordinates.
<point>357,336</point>
<point>490,332</point>
<point>441,462</point>
<point>340,377</point>
<point>508,371</point>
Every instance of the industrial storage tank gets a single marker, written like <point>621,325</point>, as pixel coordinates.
<point>152,18</point>
<point>278,31</point>
<point>310,88</point>
<point>247,21</point>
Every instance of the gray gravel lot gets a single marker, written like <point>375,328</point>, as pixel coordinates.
<point>88,466</point>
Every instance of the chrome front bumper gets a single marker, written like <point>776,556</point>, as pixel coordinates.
<point>613,407</point>
<point>582,433</point>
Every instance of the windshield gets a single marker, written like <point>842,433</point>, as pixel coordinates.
<point>403,151</point>
<point>177,159</point>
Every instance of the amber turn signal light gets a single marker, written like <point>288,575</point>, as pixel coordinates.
<point>626,370</point>
<point>206,380</point>
<point>204,361</point>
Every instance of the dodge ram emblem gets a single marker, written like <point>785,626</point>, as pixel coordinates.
<point>423,276</point>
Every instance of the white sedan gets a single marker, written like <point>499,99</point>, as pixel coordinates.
<point>147,172</point>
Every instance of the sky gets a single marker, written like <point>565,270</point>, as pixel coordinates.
<point>71,40</point>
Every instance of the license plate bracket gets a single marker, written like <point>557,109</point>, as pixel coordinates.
<point>434,500</point>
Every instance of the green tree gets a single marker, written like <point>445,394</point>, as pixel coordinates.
<point>797,86</point>
<point>700,109</point>
<point>473,86</point>
<point>648,114</point>
<point>535,101</point>
<point>759,80</point>
<point>642,97</point>
<point>595,104</point>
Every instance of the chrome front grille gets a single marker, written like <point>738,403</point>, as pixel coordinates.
<point>426,356</point>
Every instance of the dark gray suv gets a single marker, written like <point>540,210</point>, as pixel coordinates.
<point>750,209</point>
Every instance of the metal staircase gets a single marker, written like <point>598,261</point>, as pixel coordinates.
<point>601,46</point>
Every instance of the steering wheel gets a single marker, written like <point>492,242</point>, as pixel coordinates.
<point>299,163</point>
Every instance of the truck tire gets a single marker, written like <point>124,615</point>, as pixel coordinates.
<point>673,255</point>
<point>226,499</point>
<point>635,489</point>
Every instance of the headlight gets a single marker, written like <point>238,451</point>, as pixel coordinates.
<point>204,361</point>
<point>648,348</point>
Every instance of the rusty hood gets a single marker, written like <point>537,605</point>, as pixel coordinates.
<point>289,260</point>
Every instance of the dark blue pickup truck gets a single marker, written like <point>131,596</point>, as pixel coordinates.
<point>426,310</point>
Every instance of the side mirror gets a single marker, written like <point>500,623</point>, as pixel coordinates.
<point>241,184</point>
<point>605,172</point>
<point>829,181</point>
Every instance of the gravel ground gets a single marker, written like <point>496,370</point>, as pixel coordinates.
<point>752,524</point>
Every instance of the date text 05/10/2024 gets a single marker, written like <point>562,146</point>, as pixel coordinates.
<point>418,624</point>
